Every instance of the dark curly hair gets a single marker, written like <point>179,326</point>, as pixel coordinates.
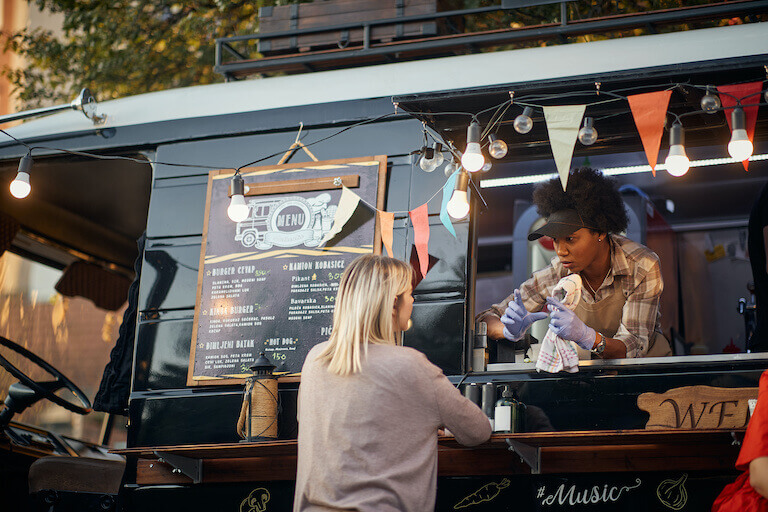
<point>594,196</point>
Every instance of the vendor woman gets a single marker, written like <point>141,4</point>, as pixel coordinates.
<point>618,314</point>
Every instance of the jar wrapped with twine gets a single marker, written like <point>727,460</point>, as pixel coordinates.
<point>258,414</point>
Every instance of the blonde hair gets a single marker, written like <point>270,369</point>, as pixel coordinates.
<point>363,313</point>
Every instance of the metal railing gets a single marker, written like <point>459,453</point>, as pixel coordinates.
<point>241,65</point>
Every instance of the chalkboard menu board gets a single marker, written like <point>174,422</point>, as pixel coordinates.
<point>268,283</point>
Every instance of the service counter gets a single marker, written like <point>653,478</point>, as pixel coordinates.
<point>503,454</point>
<point>633,434</point>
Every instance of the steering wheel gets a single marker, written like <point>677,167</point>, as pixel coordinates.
<point>45,389</point>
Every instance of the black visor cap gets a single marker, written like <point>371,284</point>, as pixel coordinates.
<point>560,224</point>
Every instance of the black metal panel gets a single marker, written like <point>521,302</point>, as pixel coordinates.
<point>169,274</point>
<point>382,138</point>
<point>398,187</point>
<point>449,275</point>
<point>596,399</point>
<point>205,416</point>
<point>277,496</point>
<point>176,207</point>
<point>425,184</point>
<point>162,354</point>
<point>626,491</point>
<point>438,331</point>
<point>150,135</point>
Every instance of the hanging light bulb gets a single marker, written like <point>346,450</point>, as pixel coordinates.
<point>497,148</point>
<point>523,123</point>
<point>237,210</point>
<point>472,159</point>
<point>427,161</point>
<point>710,103</point>
<point>438,149</point>
<point>450,168</point>
<point>487,167</point>
<point>431,158</point>
<point>740,147</point>
<point>588,133</point>
<point>458,206</point>
<point>677,162</point>
<point>20,187</point>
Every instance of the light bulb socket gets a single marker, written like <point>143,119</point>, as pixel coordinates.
<point>676,135</point>
<point>473,132</point>
<point>738,121</point>
<point>237,185</point>
<point>588,122</point>
<point>437,148</point>
<point>429,153</point>
<point>462,181</point>
<point>492,138</point>
<point>25,164</point>
<point>527,111</point>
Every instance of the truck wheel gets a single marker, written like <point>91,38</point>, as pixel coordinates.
<point>249,239</point>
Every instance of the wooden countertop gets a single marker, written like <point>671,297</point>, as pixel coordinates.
<point>555,452</point>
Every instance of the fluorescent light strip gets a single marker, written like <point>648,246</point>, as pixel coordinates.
<point>609,171</point>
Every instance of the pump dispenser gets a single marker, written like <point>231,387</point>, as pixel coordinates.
<point>502,413</point>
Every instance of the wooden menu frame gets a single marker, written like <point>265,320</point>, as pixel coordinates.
<point>269,185</point>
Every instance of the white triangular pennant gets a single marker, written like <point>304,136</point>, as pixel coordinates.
<point>347,205</point>
<point>563,124</point>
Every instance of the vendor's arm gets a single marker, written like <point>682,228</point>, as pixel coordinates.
<point>640,313</point>
<point>533,292</point>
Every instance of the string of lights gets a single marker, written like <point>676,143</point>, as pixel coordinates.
<point>472,159</point>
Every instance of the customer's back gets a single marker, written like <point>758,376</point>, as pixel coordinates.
<point>368,441</point>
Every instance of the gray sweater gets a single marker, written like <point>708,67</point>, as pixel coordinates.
<point>368,441</point>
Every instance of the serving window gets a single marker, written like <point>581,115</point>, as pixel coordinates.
<point>696,223</point>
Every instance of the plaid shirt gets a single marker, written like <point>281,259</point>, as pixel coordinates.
<point>635,272</point>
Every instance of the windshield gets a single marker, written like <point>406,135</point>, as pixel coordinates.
<point>70,333</point>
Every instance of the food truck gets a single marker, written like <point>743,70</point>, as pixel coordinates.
<point>134,202</point>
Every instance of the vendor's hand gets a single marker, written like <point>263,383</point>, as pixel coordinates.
<point>517,319</point>
<point>567,325</point>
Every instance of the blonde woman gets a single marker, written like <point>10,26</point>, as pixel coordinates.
<point>369,409</point>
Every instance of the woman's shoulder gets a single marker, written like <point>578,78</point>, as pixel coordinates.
<point>312,355</point>
<point>403,356</point>
<point>636,253</point>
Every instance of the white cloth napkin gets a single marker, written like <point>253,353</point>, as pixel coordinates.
<point>557,354</point>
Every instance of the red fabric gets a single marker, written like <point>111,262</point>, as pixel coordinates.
<point>649,111</point>
<point>420,221</point>
<point>739,496</point>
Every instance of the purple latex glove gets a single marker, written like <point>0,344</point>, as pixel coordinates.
<point>517,319</point>
<point>567,325</point>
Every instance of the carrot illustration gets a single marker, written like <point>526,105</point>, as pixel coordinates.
<point>485,493</point>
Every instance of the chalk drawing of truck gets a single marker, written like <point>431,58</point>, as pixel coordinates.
<point>286,222</point>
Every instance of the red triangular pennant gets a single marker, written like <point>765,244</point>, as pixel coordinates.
<point>749,95</point>
<point>420,220</point>
<point>650,111</point>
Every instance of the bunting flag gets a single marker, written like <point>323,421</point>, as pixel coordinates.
<point>347,206</point>
<point>417,275</point>
<point>447,192</point>
<point>420,220</point>
<point>563,124</point>
<point>386,225</point>
<point>728,96</point>
<point>650,112</point>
